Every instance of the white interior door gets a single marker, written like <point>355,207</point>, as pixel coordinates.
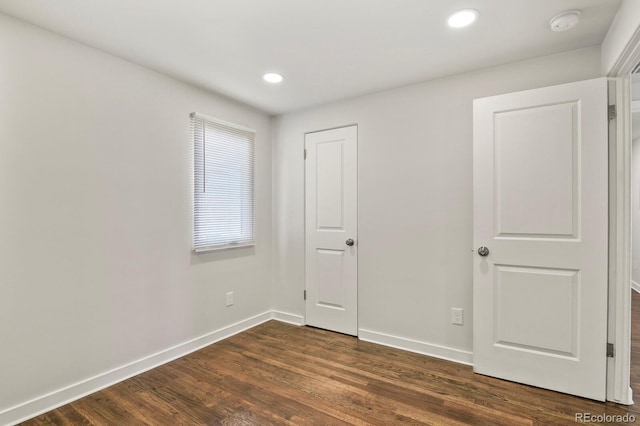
<point>540,207</point>
<point>331,183</point>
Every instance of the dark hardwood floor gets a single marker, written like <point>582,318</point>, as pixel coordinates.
<point>282,374</point>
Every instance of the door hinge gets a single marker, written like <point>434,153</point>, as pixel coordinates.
<point>305,154</point>
<point>305,295</point>
<point>612,112</point>
<point>610,350</point>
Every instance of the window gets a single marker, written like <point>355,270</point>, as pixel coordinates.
<point>223,202</point>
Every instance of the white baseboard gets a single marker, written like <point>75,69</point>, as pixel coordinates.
<point>55,399</point>
<point>288,318</point>
<point>424,348</point>
<point>635,286</point>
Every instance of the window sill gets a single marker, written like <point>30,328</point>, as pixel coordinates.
<point>201,250</point>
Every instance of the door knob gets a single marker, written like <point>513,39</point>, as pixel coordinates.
<point>349,242</point>
<point>483,251</point>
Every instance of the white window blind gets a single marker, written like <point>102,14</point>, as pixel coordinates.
<point>223,204</point>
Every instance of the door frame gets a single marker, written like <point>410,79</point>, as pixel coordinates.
<point>619,321</point>
<point>304,200</point>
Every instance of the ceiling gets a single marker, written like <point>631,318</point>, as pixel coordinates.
<point>326,49</point>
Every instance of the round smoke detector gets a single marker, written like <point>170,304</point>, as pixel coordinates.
<point>565,20</point>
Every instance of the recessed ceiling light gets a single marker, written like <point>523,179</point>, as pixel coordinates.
<point>565,20</point>
<point>273,77</point>
<point>462,18</point>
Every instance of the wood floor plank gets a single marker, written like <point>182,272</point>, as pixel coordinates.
<point>281,374</point>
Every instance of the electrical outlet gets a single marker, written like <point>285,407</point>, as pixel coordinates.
<point>457,316</point>
<point>230,298</point>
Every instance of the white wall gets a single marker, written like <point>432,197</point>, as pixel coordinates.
<point>635,187</point>
<point>415,196</point>
<point>96,269</point>
<point>635,209</point>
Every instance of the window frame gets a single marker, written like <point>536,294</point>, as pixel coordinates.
<point>232,131</point>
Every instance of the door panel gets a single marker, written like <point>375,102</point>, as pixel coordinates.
<point>329,172</point>
<point>547,295</point>
<point>330,272</point>
<point>536,186</point>
<point>331,219</point>
<point>540,206</point>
